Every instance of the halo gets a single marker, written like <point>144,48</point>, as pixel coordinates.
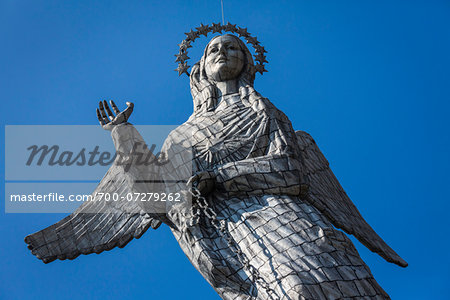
<point>182,57</point>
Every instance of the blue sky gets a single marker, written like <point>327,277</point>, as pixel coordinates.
<point>369,81</point>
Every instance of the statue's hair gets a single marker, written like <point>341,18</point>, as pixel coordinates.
<point>203,89</point>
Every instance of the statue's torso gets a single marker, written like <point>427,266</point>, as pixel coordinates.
<point>286,239</point>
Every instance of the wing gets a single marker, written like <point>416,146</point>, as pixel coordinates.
<point>95,226</point>
<point>328,196</point>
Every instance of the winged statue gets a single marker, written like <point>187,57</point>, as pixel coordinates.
<point>267,217</point>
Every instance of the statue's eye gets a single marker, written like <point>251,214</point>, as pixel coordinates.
<point>213,50</point>
<point>232,48</point>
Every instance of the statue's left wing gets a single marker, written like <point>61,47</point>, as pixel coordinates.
<point>95,226</point>
<point>327,195</point>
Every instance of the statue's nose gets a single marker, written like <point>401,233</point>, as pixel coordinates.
<point>222,51</point>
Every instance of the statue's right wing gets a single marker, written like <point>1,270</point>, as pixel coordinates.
<point>95,226</point>
<point>327,195</point>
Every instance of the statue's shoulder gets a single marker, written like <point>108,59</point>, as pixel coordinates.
<point>304,135</point>
<point>182,135</point>
<point>304,139</point>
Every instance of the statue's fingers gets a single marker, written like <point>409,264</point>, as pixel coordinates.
<point>127,112</point>
<point>114,107</point>
<point>102,110</point>
<point>108,110</point>
<point>100,119</point>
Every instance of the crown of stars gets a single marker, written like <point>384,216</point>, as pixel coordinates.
<point>182,68</point>
<point>192,35</point>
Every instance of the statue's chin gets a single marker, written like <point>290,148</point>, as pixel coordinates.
<point>222,73</point>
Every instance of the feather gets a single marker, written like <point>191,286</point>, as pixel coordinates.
<point>327,195</point>
<point>95,226</point>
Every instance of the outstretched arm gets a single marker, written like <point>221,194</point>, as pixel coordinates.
<point>96,225</point>
<point>100,225</point>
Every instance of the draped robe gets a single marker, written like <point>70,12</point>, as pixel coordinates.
<point>253,151</point>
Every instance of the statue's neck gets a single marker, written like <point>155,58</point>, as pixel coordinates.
<point>227,87</point>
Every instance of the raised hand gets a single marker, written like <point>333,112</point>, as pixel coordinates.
<point>109,121</point>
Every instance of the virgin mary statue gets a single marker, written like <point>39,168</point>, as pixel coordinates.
<point>268,226</point>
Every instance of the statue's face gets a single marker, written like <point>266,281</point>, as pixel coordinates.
<point>224,59</point>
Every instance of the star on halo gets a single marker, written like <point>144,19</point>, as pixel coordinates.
<point>185,44</point>
<point>242,32</point>
<point>191,35</point>
<point>230,27</point>
<point>260,49</point>
<point>252,40</point>
<point>182,68</point>
<point>260,68</point>
<point>216,28</point>
<point>181,57</point>
<point>203,29</point>
<point>261,58</point>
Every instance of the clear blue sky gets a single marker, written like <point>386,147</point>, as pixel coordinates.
<point>369,81</point>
